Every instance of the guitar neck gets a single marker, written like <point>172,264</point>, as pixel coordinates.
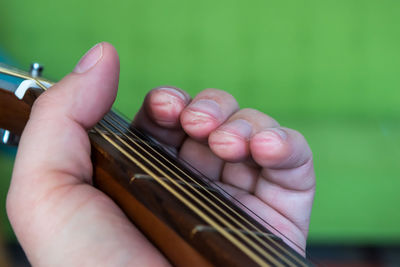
<point>187,216</point>
<point>172,203</point>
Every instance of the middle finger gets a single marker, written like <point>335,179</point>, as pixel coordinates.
<point>208,110</point>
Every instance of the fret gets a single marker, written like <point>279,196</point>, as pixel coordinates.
<point>250,248</point>
<point>170,201</point>
<point>228,217</point>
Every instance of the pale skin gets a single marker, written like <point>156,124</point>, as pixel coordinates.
<point>61,220</point>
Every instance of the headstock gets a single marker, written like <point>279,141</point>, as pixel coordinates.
<point>18,91</point>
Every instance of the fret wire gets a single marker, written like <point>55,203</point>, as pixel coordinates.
<point>115,117</point>
<point>209,220</point>
<point>266,245</point>
<point>244,237</point>
<point>38,82</point>
<point>22,75</point>
<point>293,256</point>
<point>299,259</point>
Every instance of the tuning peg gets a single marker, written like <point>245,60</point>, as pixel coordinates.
<point>8,138</point>
<point>36,70</point>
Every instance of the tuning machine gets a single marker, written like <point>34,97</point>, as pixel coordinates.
<point>36,70</point>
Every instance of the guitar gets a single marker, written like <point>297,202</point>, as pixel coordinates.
<point>186,216</point>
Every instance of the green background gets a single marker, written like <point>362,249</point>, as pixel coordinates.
<point>329,69</point>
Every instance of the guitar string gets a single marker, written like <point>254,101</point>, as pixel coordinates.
<point>204,197</point>
<point>117,117</point>
<point>16,74</point>
<point>255,257</point>
<point>22,76</point>
<point>295,257</point>
<point>121,122</point>
<point>201,214</point>
<point>266,245</point>
<point>192,196</point>
<point>197,200</point>
<point>3,70</point>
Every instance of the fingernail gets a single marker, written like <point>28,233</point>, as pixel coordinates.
<point>275,133</point>
<point>206,107</point>
<point>240,127</point>
<point>89,59</point>
<point>174,92</point>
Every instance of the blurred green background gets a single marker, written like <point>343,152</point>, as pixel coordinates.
<point>329,69</point>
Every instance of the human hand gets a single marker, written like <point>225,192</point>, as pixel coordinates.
<point>60,219</point>
<point>266,167</point>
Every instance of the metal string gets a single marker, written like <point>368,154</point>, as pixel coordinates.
<point>22,75</point>
<point>202,204</point>
<point>25,76</point>
<point>115,118</point>
<point>206,198</point>
<point>190,205</point>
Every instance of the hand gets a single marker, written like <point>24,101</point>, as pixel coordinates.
<point>60,219</point>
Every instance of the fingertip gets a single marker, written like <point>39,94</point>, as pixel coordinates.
<point>101,52</point>
<point>228,146</point>
<point>201,117</point>
<point>109,48</point>
<point>165,104</point>
<point>88,92</point>
<point>269,147</point>
<point>208,110</point>
<point>93,91</point>
<point>230,141</point>
<point>197,125</point>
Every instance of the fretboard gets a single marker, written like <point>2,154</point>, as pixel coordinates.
<point>208,213</point>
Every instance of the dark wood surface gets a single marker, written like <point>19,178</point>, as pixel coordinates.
<point>14,113</point>
<point>176,230</point>
<point>184,237</point>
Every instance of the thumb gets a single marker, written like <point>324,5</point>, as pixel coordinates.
<point>88,92</point>
<point>58,218</point>
<point>54,150</point>
<point>55,135</point>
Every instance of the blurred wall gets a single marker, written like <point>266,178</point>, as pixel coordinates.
<point>327,68</point>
